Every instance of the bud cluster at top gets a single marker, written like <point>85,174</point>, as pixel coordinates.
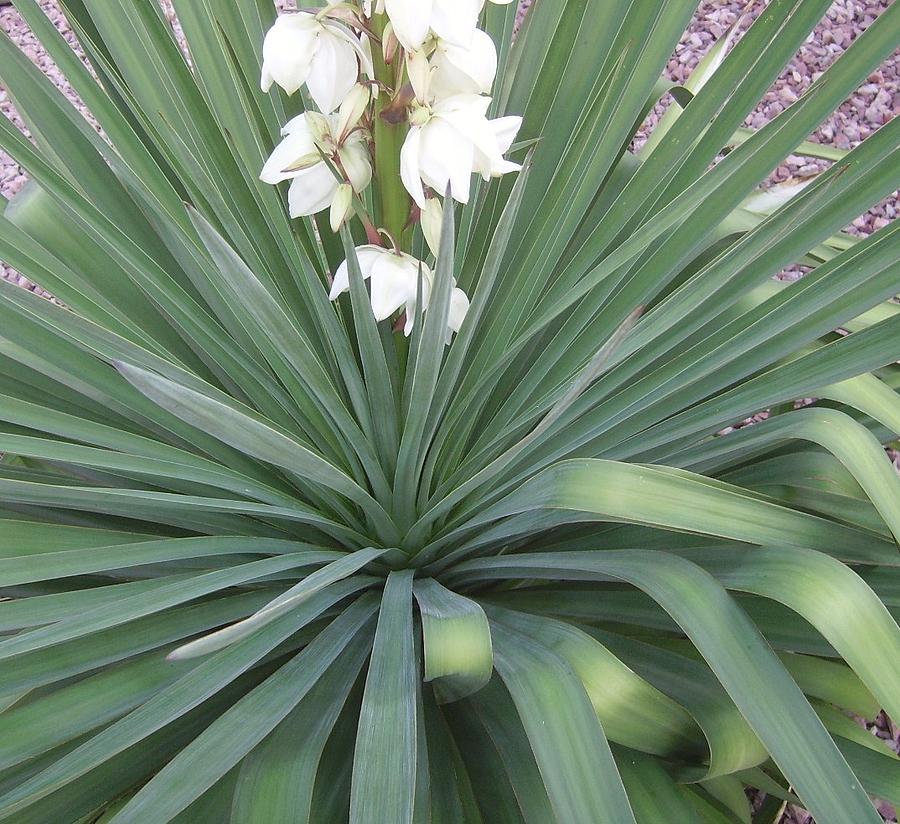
<point>420,67</point>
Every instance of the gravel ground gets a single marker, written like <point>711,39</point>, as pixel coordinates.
<point>873,105</point>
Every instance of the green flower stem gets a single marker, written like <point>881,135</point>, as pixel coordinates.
<point>394,202</point>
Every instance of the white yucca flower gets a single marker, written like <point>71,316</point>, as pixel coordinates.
<point>450,140</point>
<point>299,158</point>
<point>452,20</point>
<point>394,280</point>
<point>303,49</point>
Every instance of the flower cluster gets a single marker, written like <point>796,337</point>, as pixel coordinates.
<point>420,67</point>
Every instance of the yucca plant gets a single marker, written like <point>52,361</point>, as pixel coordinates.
<point>268,559</point>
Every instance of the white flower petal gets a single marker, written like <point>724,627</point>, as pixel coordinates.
<point>297,144</point>
<point>459,308</point>
<point>493,164</point>
<point>500,168</point>
<point>476,128</point>
<point>411,19</point>
<point>419,71</point>
<point>296,124</point>
<point>464,70</point>
<point>456,20</point>
<point>359,42</point>
<point>506,129</point>
<point>366,63</point>
<point>266,79</point>
<point>432,224</point>
<point>312,190</point>
<point>353,107</point>
<point>394,279</point>
<point>366,255</point>
<point>446,157</point>
<point>465,111</point>
<point>288,50</point>
<point>333,71</point>
<point>461,180</point>
<point>409,165</point>
<point>410,318</point>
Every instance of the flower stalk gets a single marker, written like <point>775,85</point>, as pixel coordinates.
<point>394,203</point>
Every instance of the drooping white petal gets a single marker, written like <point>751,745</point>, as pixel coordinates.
<point>459,308</point>
<point>410,318</point>
<point>394,283</point>
<point>366,255</point>
<point>461,173</point>
<point>506,129</point>
<point>296,146</point>
<point>456,20</point>
<point>298,158</point>
<point>501,167</point>
<point>412,305</point>
<point>333,71</point>
<point>432,224</point>
<point>312,190</point>
<point>288,51</point>
<point>359,42</point>
<point>266,79</point>
<point>411,20</point>
<point>467,114</point>
<point>464,70</point>
<point>409,166</point>
<point>467,110</point>
<point>445,157</point>
<point>492,163</point>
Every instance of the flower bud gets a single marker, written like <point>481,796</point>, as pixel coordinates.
<point>432,221</point>
<point>341,206</point>
<point>352,110</point>
<point>419,74</point>
<point>389,44</point>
